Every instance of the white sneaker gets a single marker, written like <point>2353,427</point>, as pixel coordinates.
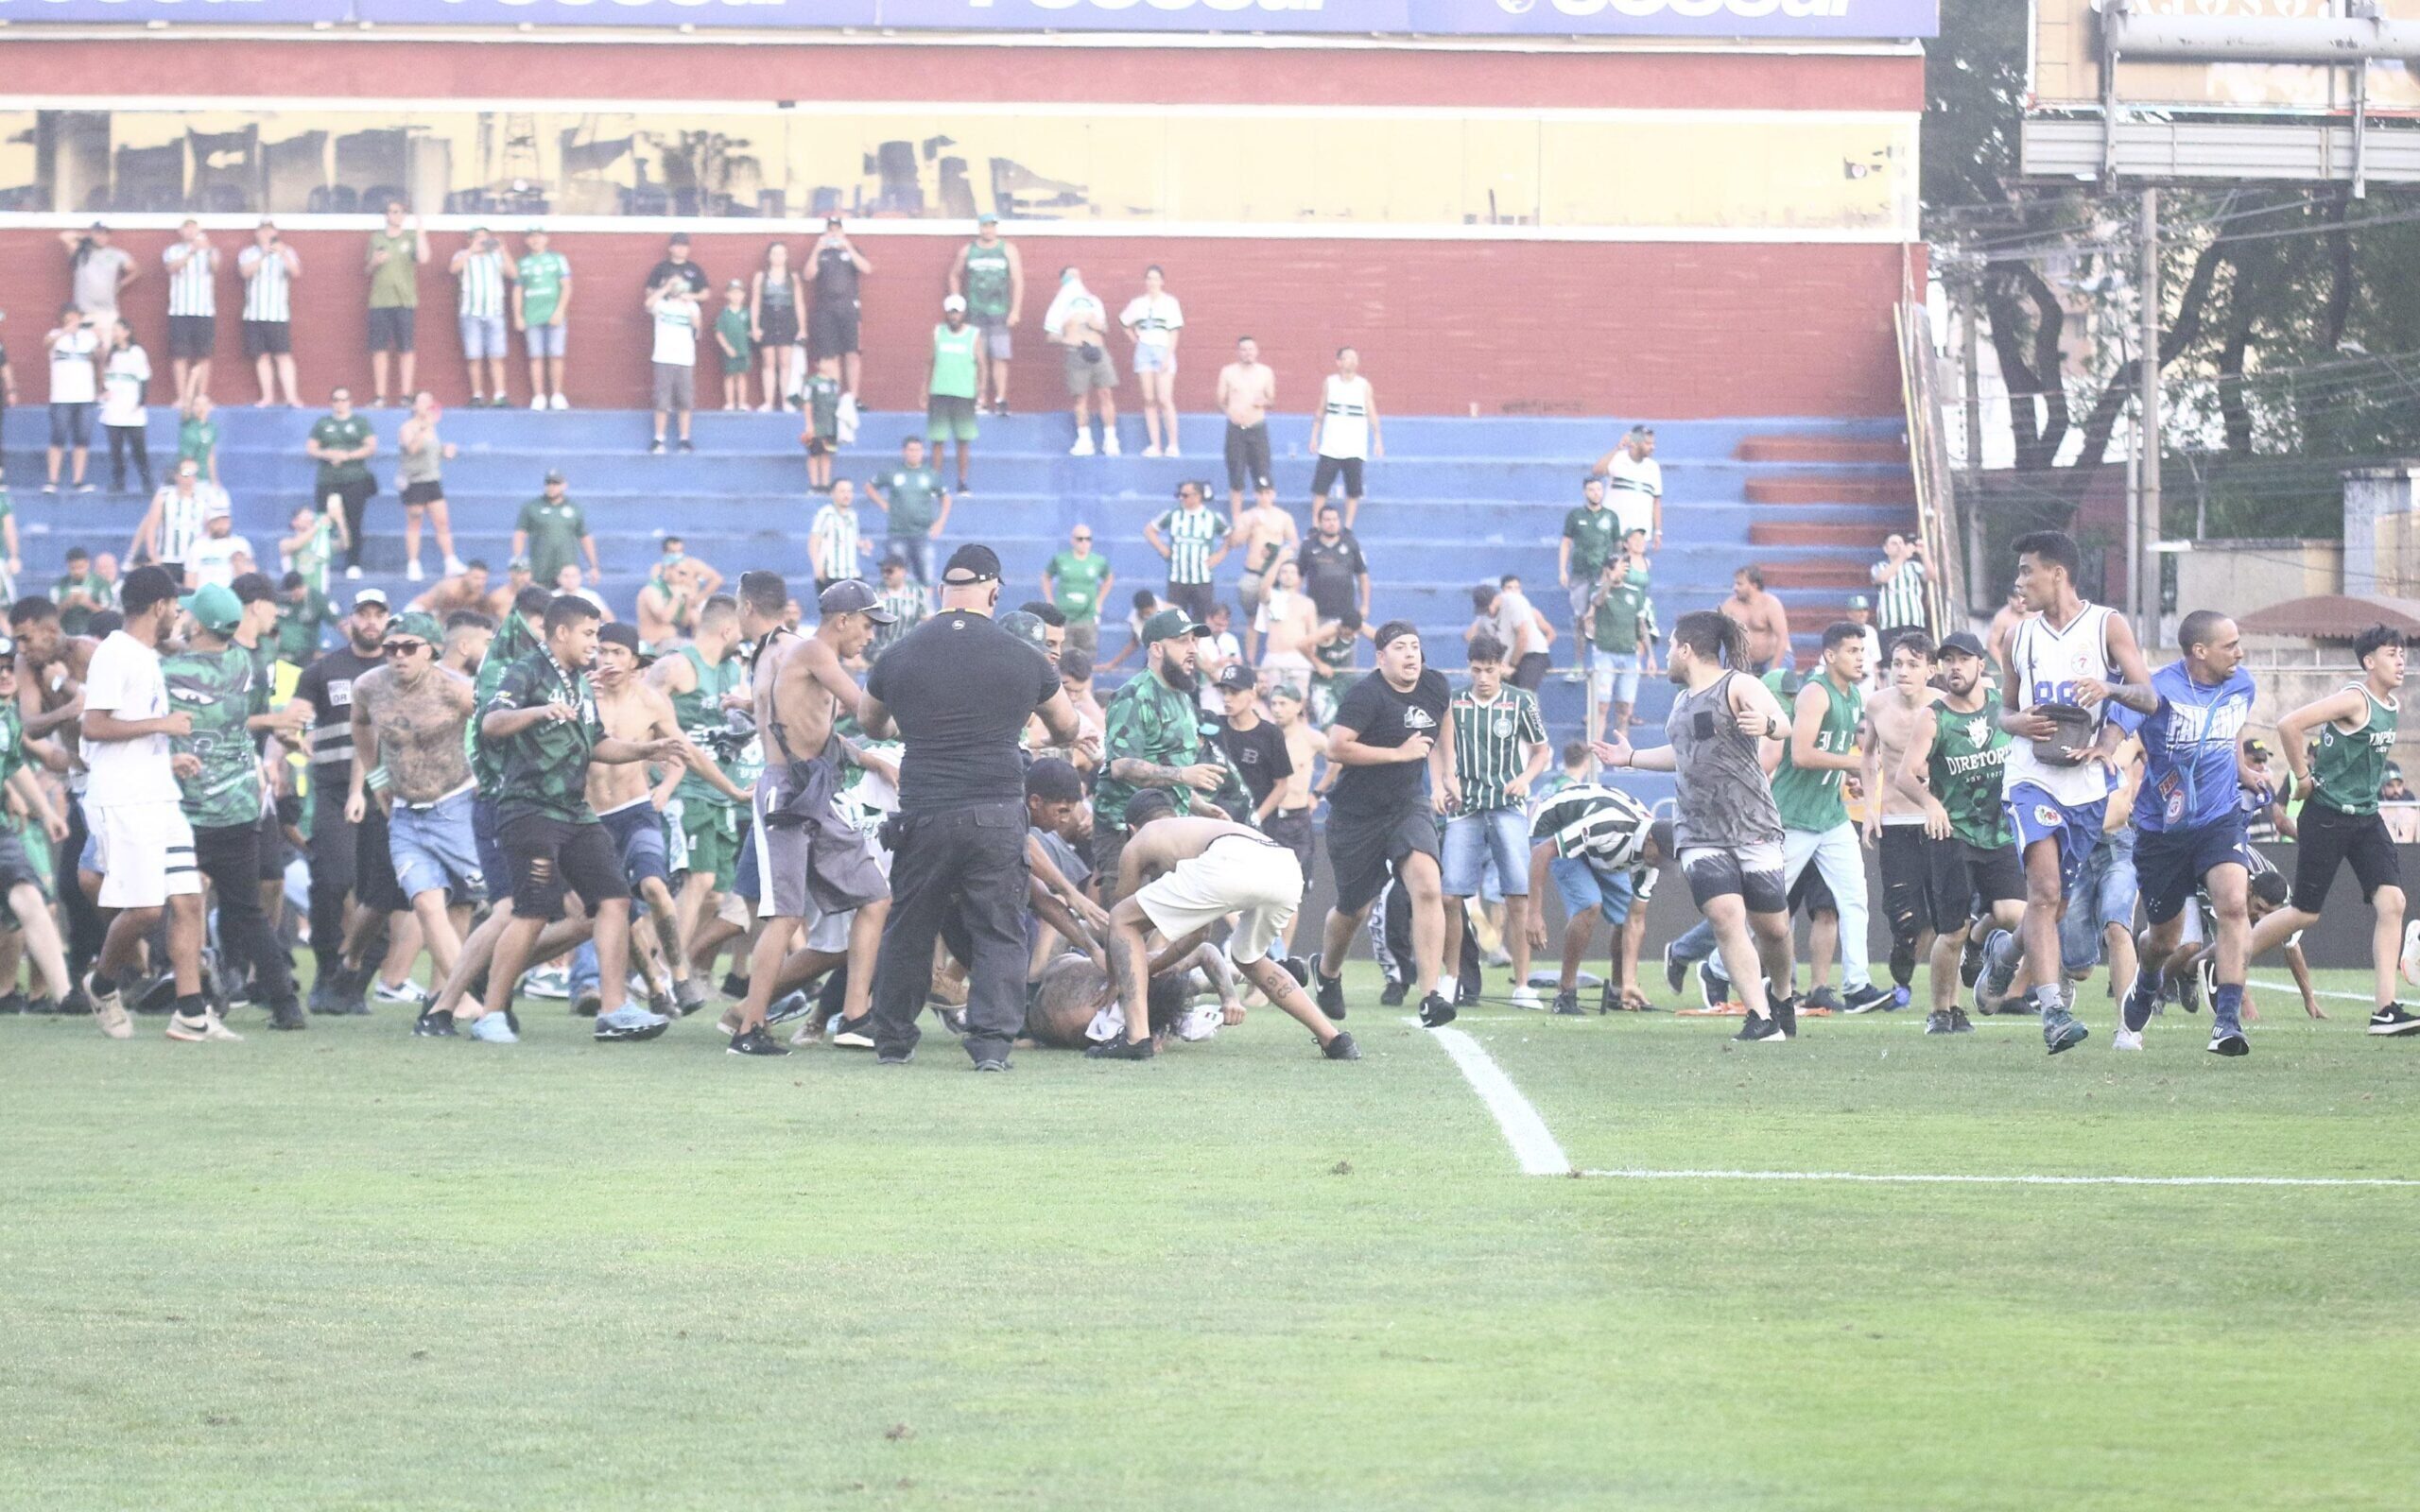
<point>411,571</point>
<point>2127,1040</point>
<point>1172,451</point>
<point>1150,451</point>
<point>559,402</point>
<point>2411,953</point>
<point>1083,446</point>
<point>353,575</point>
<point>1108,443</point>
<point>207,1027</point>
<point>454,567</point>
<point>1525,996</point>
<point>538,401</point>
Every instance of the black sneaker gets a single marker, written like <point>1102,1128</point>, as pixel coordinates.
<point>1959,1023</point>
<point>1465,997</point>
<point>2226,1039</point>
<point>431,1025</point>
<point>689,994</point>
<point>1821,997</point>
<point>1332,997</point>
<point>1119,1049</point>
<point>1868,999</point>
<point>1970,960</point>
<point>1759,1028</point>
<point>286,1013</point>
<point>13,1001</point>
<point>50,1006</point>
<point>587,1005</point>
<point>1435,1012</point>
<point>2392,1020</point>
<point>894,1057</point>
<point>686,447</point>
<point>1341,1048</point>
<point>1713,990</point>
<point>787,1006</point>
<point>1300,970</point>
<point>2060,1031</point>
<point>734,986</point>
<point>851,1034</point>
<point>1395,994</point>
<point>1567,1004</point>
<point>1676,972</point>
<point>1785,1016</point>
<point>756,1042</point>
<point>1000,1063</point>
<point>655,448</point>
<point>1937,1021</point>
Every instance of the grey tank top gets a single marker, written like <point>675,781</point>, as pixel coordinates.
<point>1726,799</point>
<point>419,463</point>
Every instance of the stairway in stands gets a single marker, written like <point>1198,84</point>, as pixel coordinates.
<point>1455,501</point>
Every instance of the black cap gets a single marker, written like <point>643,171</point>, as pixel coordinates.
<point>851,595</point>
<point>980,563</point>
<point>1235,677</point>
<point>1053,782</point>
<point>1961,642</point>
<point>554,475</point>
<point>619,633</point>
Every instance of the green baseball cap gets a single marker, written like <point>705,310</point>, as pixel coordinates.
<point>1168,623</point>
<point>418,624</point>
<point>215,608</point>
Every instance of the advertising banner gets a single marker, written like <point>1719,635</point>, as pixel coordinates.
<point>223,12</point>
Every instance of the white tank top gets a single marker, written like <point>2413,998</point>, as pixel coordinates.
<point>2047,664</point>
<point>1344,425</point>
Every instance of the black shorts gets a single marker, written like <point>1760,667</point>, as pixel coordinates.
<point>2327,837</point>
<point>1247,456</point>
<point>1197,599</point>
<point>1365,849</point>
<point>553,857</point>
<point>428,491</point>
<point>373,867</point>
<point>272,848</point>
<point>781,325</point>
<point>1531,672</point>
<point>390,327</point>
<point>1995,874</point>
<point>832,330</point>
<point>1924,882</point>
<point>1293,829</point>
<point>268,339</point>
<point>1751,873</point>
<point>1810,894</point>
<point>1324,474</point>
<point>191,336</point>
<point>16,867</point>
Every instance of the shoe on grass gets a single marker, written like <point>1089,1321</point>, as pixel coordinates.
<point>200,1027</point>
<point>435,1024</point>
<point>2226,1039</point>
<point>493,1029</point>
<point>1341,1048</point>
<point>1785,1016</point>
<point>2126,1039</point>
<point>630,1021</point>
<point>2060,1031</point>
<point>1118,1049</point>
<point>108,1012</point>
<point>853,1033</point>
<point>1676,971</point>
<point>1757,1028</point>
<point>2392,1020</point>
<point>1331,997</point>
<point>1868,999</point>
<point>1525,996</point>
<point>1937,1021</point>
<point>755,1042</point>
<point>689,994</point>
<point>1393,995</point>
<point>1567,1004</point>
<point>1435,1012</point>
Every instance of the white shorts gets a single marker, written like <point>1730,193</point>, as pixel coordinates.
<point>1237,874</point>
<point>144,852</point>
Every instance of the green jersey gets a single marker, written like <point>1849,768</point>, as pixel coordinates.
<point>702,716</point>
<point>914,497</point>
<point>513,639</point>
<point>543,277</point>
<point>2348,770</point>
<point>318,548</point>
<point>1969,751</point>
<point>394,284</point>
<point>542,771</point>
<point>299,626</point>
<point>219,690</point>
<point>1619,610</point>
<point>196,440</point>
<point>1076,583</point>
<point>1492,743</point>
<point>347,435</point>
<point>732,325</point>
<point>12,740</point>
<point>954,361</point>
<point>824,406</point>
<point>1811,799</point>
<point>75,619</point>
<point>1148,721</point>
<point>909,609</point>
<point>1594,534</point>
<point>553,528</point>
<point>988,283</point>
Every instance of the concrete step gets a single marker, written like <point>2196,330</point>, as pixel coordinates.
<point>1813,449</point>
<point>1897,491</point>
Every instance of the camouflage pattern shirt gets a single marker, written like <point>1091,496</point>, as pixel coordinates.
<point>542,771</point>
<point>1148,721</point>
<point>221,690</point>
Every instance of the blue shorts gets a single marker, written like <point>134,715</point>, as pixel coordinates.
<point>437,847</point>
<point>2173,862</point>
<point>1473,839</point>
<point>2102,896</point>
<point>1583,887</point>
<point>1149,358</point>
<point>2034,814</point>
<point>637,832</point>
<point>1616,677</point>
<point>743,881</point>
<point>483,336</point>
<point>545,340</point>
<point>494,864</point>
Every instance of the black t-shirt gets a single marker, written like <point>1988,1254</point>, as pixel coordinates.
<point>1329,572</point>
<point>328,684</point>
<point>689,271</point>
<point>1259,756</point>
<point>836,276</point>
<point>1386,718</point>
<point>960,691</point>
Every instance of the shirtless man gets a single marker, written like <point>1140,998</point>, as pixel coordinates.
<point>702,678</point>
<point>810,861</point>
<point>1266,536</point>
<point>1285,627</point>
<point>1914,864</point>
<point>1179,875</point>
<point>1246,389</point>
<point>631,808</point>
<point>409,715</point>
<point>1761,615</point>
<point>50,702</point>
<point>2004,624</point>
<point>667,605</point>
<point>467,589</point>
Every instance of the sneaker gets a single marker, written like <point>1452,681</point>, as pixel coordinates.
<point>1676,971</point>
<point>655,448</point>
<point>1083,446</point>
<point>1465,997</point>
<point>2226,1039</point>
<point>1331,996</point>
<point>86,487</point>
<point>1341,1048</point>
<point>783,1008</point>
<point>108,1011</point>
<point>734,986</point>
<point>406,990</point>
<point>894,1057</point>
<point>1959,1023</point>
<point>2391,1020</point>
<point>1435,1012</point>
<point>547,982</point>
<point>559,402</point>
<point>1001,409</point>
<point>1824,999</point>
<point>2003,956</point>
<point>1937,1021</point>
<point>1150,451</point>
<point>2126,1039</point>
<point>412,573</point>
<point>1870,999</point>
<point>689,994</point>
<point>1173,452</point>
<point>1525,996</point>
<point>493,1029</point>
<point>1300,970</point>
<point>432,1024</point>
<point>1395,994</point>
<point>997,1064</point>
<point>630,1021</point>
<point>1118,1049</point>
<point>1757,1028</point>
<point>2060,1031</point>
<point>1108,443</point>
<point>1713,989</point>
<point>196,1030</point>
<point>755,1042</point>
<point>1567,1004</point>
<point>687,447</point>
<point>1970,960</point>
<point>50,1006</point>
<point>50,488</point>
<point>853,1033</point>
<point>1785,1017</point>
<point>454,567</point>
<point>538,403</point>
<point>588,1003</point>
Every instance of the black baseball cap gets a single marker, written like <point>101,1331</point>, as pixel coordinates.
<point>1235,677</point>
<point>554,475</point>
<point>979,562</point>
<point>1961,642</point>
<point>851,595</point>
<point>1053,782</point>
<point>619,633</point>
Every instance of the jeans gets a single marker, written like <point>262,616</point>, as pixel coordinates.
<point>2104,895</point>
<point>1697,943</point>
<point>1583,587</point>
<point>1836,857</point>
<point>963,870</point>
<point>917,552</point>
<point>582,975</point>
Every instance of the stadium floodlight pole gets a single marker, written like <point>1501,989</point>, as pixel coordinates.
<point>2143,579</point>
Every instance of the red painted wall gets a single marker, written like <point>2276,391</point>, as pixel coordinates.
<point>1674,331</point>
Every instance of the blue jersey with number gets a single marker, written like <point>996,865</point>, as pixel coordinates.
<point>2189,772</point>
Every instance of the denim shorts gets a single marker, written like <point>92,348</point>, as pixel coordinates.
<point>1616,677</point>
<point>435,847</point>
<point>2101,895</point>
<point>1583,887</point>
<point>545,340</point>
<point>1149,358</point>
<point>1471,839</point>
<point>483,336</point>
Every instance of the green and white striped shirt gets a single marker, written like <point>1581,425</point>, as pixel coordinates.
<point>1492,744</point>
<point>1900,602</point>
<point>483,286</point>
<point>1192,534</point>
<point>909,603</point>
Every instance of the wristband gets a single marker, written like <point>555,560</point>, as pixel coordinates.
<point>376,780</point>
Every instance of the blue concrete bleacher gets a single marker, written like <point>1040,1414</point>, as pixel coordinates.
<point>1455,501</point>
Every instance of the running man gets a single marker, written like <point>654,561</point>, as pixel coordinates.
<point>409,757</point>
<point>1498,747</point>
<point>1954,766</point>
<point>1894,812</point>
<point>1822,747</point>
<point>2055,691</point>
<point>1728,829</point>
<point>2355,729</point>
<point>2190,823</point>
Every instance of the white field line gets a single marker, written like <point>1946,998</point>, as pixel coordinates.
<point>2288,987</point>
<point>1540,1154</point>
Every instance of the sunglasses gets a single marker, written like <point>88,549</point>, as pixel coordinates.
<point>406,647</point>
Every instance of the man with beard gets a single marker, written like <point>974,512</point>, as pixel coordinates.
<point>810,862</point>
<point>1956,757</point>
<point>326,687</point>
<point>50,701</point>
<point>1153,740</point>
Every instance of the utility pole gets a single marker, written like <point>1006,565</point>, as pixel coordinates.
<point>2143,572</point>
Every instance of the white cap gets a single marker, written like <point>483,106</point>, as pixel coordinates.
<point>954,303</point>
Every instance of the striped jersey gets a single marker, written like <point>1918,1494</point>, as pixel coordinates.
<point>1492,743</point>
<point>1192,534</point>
<point>482,280</point>
<point>832,540</point>
<point>1900,602</point>
<point>1344,417</point>
<point>180,520</point>
<point>1631,487</point>
<point>1584,819</point>
<point>268,288</point>
<point>908,602</point>
<point>192,279</point>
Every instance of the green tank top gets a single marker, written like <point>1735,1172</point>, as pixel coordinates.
<point>2350,769</point>
<point>1969,751</point>
<point>1811,799</point>
<point>954,361</point>
<point>698,712</point>
<point>987,279</point>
